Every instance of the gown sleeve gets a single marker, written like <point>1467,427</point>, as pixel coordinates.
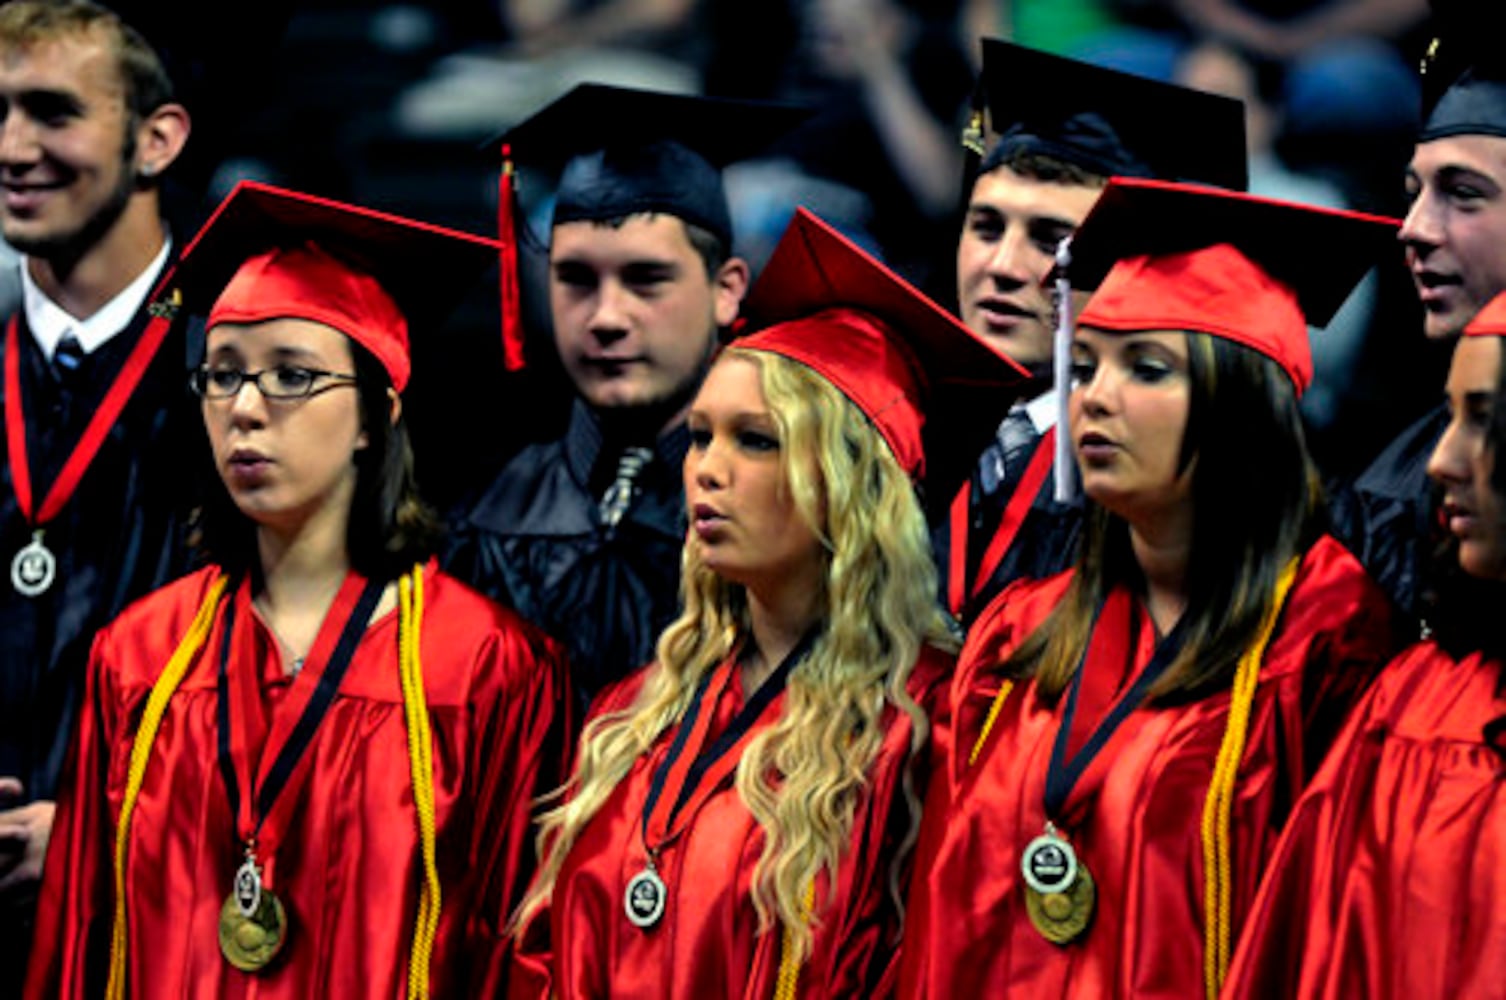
<point>521,753</point>
<point>70,954</point>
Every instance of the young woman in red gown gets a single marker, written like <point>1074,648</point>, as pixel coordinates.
<point>306,769</point>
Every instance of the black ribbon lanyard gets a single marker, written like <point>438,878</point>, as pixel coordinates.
<point>741,723</point>
<point>313,713</point>
<point>1061,773</point>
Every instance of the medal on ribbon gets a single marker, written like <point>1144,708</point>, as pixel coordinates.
<point>254,925</point>
<point>1058,888</point>
<point>34,567</point>
<point>694,776</point>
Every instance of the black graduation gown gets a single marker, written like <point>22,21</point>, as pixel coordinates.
<point>1045,545</point>
<point>1386,515</point>
<point>534,542</point>
<point>119,537</point>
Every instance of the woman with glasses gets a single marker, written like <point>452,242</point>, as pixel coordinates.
<point>304,770</point>
<point>1390,880</point>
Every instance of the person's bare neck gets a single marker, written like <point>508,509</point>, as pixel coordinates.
<point>84,283</point>
<point>778,623</point>
<point>1163,558</point>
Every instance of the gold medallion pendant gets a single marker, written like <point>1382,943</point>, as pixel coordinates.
<point>253,923</point>
<point>1059,891</point>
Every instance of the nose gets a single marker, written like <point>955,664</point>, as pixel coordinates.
<point>609,320</point>
<point>1422,229</point>
<point>1015,261</point>
<point>1449,462</point>
<point>248,407</point>
<point>706,466</point>
<point>18,140</point>
<point>1096,396</point>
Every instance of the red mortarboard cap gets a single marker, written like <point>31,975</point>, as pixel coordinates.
<point>1490,321</point>
<point>267,252</point>
<point>1109,122</point>
<point>1252,270</point>
<point>932,388</point>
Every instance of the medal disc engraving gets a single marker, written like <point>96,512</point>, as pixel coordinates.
<point>250,943</point>
<point>1049,864</point>
<point>644,898</point>
<point>33,568</point>
<point>247,890</point>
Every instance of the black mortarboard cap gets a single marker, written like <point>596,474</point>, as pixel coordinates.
<point>1108,122</point>
<point>620,151</point>
<point>1464,71</point>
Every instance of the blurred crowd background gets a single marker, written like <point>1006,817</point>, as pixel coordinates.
<point>398,106</point>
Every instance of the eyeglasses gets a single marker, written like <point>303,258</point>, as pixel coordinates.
<point>282,382</point>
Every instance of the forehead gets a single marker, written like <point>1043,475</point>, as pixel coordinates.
<point>1010,193</point>
<point>1097,338</point>
<point>1482,154</point>
<point>1476,366</point>
<point>734,383</point>
<point>281,336</point>
<point>638,237</point>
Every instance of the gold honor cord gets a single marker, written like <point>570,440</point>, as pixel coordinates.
<point>789,965</point>
<point>420,759</point>
<point>141,749</point>
<point>1217,806</point>
<point>1217,877</point>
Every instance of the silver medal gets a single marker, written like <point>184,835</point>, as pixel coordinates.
<point>1049,864</point>
<point>247,888</point>
<point>645,898</point>
<point>34,568</point>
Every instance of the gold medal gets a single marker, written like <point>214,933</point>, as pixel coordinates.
<point>1059,891</point>
<point>253,924</point>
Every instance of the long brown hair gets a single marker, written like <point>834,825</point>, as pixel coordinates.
<point>1257,503</point>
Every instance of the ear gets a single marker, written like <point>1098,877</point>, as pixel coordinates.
<point>394,406</point>
<point>160,138</point>
<point>729,285</point>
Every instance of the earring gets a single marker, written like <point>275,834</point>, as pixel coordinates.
<point>148,170</point>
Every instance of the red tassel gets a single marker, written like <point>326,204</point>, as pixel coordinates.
<point>512,306</point>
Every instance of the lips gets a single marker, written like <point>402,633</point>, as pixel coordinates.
<point>1460,519</point>
<point>247,466</point>
<point>24,197</point>
<point>707,521</point>
<point>1003,313</point>
<point>1433,286</point>
<point>1095,448</point>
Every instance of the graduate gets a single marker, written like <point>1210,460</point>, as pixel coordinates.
<point>304,770</point>
<point>1390,880</point>
<point>581,532</point>
<point>1128,734</point>
<point>742,818</point>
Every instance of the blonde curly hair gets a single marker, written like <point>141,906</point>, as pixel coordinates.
<point>802,776</point>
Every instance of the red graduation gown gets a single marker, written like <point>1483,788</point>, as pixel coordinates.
<point>1135,813</point>
<point>347,867</point>
<point>707,944</point>
<point>1390,880</point>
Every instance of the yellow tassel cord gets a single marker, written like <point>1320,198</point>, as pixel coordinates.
<point>141,749</point>
<point>421,760</point>
<point>789,965</point>
<point>989,720</point>
<point>1217,887</point>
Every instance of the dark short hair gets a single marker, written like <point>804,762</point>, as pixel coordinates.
<point>390,526</point>
<point>1048,168</point>
<point>712,249</point>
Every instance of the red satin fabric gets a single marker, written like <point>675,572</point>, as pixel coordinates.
<point>1390,880</point>
<point>707,944</point>
<point>1135,813</point>
<point>347,866</point>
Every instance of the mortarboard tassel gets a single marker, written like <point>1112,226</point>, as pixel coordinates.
<point>512,305</point>
<point>1065,488</point>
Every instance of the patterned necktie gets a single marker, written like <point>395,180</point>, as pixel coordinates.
<point>1003,461</point>
<point>67,357</point>
<point>619,496</point>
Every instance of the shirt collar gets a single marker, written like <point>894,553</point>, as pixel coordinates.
<point>48,321</point>
<point>1042,411</point>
